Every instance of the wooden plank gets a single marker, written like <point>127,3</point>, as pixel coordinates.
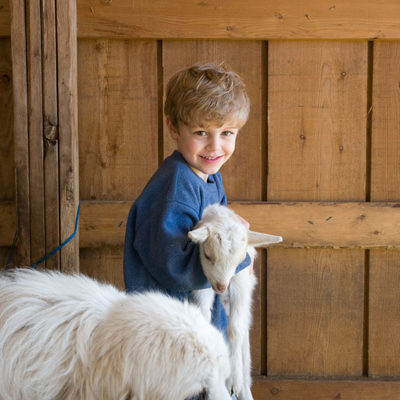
<point>384,313</point>
<point>229,19</point>
<point>35,126</point>
<point>21,141</point>
<point>385,171</point>
<point>327,224</point>
<point>103,264</point>
<point>50,129</point>
<point>281,389</point>
<point>384,297</point>
<point>118,117</point>
<point>5,18</point>
<point>7,185</point>
<point>103,223</point>
<point>315,317</point>
<point>68,132</point>
<point>4,251</point>
<point>320,89</point>
<point>317,97</point>
<point>8,222</point>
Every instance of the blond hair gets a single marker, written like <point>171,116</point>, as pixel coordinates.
<point>206,94</point>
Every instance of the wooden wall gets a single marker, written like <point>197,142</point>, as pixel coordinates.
<point>318,163</point>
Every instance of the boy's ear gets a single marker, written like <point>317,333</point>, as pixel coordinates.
<point>172,130</point>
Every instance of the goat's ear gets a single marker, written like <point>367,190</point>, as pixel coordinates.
<point>200,234</point>
<point>257,239</point>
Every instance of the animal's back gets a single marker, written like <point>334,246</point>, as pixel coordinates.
<point>43,316</point>
<point>178,351</point>
<point>70,337</point>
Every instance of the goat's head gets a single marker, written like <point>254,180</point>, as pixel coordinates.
<point>224,241</point>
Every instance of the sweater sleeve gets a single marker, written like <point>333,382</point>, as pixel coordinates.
<point>170,257</point>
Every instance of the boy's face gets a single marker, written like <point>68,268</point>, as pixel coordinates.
<point>205,149</point>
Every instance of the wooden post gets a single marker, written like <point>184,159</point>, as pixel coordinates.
<point>68,128</point>
<point>44,59</point>
<point>21,142</point>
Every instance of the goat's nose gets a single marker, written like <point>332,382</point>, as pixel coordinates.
<point>221,288</point>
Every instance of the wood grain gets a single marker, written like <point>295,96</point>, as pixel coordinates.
<point>20,127</point>
<point>118,125</point>
<point>314,320</point>
<point>326,224</point>
<point>8,222</point>
<point>7,184</point>
<point>5,18</point>
<point>35,127</point>
<point>103,264</point>
<point>317,120</point>
<point>50,132</point>
<point>68,132</point>
<point>231,19</point>
<point>317,128</point>
<point>316,225</point>
<point>384,297</point>
<point>283,389</point>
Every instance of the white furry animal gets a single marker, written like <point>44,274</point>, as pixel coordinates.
<point>68,337</point>
<point>224,240</point>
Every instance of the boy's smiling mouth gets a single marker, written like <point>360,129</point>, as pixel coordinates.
<point>208,158</point>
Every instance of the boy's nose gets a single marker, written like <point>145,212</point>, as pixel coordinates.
<point>213,144</point>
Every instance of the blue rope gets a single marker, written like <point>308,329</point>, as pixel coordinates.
<point>11,251</point>
<point>63,243</point>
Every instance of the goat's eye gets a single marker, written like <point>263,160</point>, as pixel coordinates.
<point>207,256</point>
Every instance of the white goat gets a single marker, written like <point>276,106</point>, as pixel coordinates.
<point>223,241</point>
<point>68,337</point>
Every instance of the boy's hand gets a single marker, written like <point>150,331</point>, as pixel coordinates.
<point>251,266</point>
<point>243,221</point>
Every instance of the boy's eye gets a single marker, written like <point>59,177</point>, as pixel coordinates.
<point>228,133</point>
<point>201,133</point>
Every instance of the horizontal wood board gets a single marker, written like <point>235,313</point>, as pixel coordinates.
<point>283,389</point>
<point>232,19</point>
<point>103,223</point>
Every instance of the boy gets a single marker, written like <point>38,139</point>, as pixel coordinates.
<point>205,107</point>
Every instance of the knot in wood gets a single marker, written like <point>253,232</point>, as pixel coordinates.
<point>274,391</point>
<point>50,131</point>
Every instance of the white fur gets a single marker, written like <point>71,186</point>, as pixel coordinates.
<point>224,240</point>
<point>68,337</point>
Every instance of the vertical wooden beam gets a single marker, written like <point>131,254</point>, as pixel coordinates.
<point>45,81</point>
<point>384,298</point>
<point>21,142</point>
<point>317,101</point>
<point>35,128</point>
<point>68,129</point>
<point>50,122</point>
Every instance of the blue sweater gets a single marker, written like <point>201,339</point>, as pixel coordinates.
<point>158,254</point>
